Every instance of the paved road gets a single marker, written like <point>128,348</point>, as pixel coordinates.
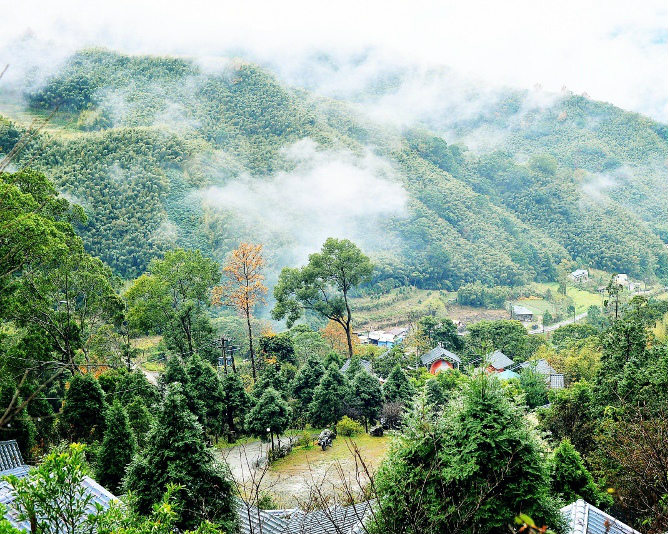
<point>554,326</point>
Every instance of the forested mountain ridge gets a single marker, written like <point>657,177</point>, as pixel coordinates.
<point>153,148</point>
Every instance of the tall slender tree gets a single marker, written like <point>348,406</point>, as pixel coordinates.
<point>118,447</point>
<point>324,285</point>
<point>244,288</point>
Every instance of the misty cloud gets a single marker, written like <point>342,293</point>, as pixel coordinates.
<point>328,194</point>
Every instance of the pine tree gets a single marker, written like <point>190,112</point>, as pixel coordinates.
<point>472,469</point>
<point>571,479</point>
<point>140,420</point>
<point>367,397</point>
<point>82,418</point>
<point>327,407</point>
<point>398,388</point>
<point>176,453</point>
<point>118,447</point>
<point>269,417</point>
<point>235,401</point>
<point>307,379</point>
<point>176,372</point>
<point>205,387</point>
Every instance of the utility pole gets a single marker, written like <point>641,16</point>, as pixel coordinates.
<point>222,352</point>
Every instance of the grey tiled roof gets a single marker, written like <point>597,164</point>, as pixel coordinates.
<point>9,451</point>
<point>542,366</point>
<point>584,518</point>
<point>521,310</point>
<point>498,360</point>
<point>10,455</point>
<point>366,365</point>
<point>335,520</point>
<point>439,353</point>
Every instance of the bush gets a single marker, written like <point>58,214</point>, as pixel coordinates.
<point>348,427</point>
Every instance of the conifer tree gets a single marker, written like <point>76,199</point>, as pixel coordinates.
<point>571,479</point>
<point>176,453</point>
<point>398,388</point>
<point>118,448</point>
<point>204,386</point>
<point>367,397</point>
<point>472,469</point>
<point>269,417</point>
<point>82,418</point>
<point>307,379</point>
<point>235,402</point>
<point>327,407</point>
<point>139,419</point>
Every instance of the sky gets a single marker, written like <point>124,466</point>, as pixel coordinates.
<point>615,51</point>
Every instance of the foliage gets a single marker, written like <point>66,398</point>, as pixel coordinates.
<point>474,468</point>
<point>510,337</point>
<point>172,297</point>
<point>269,416</point>
<point>176,453</point>
<point>118,448</point>
<point>366,398</point>
<point>571,479</point>
<point>323,285</point>
<point>348,427</point>
<point>534,387</point>
<point>480,296</point>
<point>397,387</point>
<point>82,418</point>
<point>244,288</point>
<point>52,498</point>
<point>327,407</point>
<point>305,382</point>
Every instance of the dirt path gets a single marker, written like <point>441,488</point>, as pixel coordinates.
<point>554,326</point>
<point>290,480</point>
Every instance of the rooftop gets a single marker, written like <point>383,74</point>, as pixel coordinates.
<point>521,310</point>
<point>498,360</point>
<point>366,365</point>
<point>439,353</point>
<point>584,518</point>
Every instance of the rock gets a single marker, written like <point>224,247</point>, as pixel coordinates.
<point>377,431</point>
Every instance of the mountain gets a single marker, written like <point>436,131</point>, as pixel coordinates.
<point>165,151</point>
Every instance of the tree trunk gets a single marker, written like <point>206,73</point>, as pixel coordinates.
<point>250,343</point>
<point>350,341</point>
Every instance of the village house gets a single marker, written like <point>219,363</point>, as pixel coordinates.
<point>497,362</point>
<point>622,280</point>
<point>521,313</point>
<point>439,359</point>
<point>580,276</point>
<point>387,338</point>
<point>553,379</point>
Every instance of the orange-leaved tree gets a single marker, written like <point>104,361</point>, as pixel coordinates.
<point>244,288</point>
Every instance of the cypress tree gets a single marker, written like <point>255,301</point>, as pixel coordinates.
<point>270,412</point>
<point>307,379</point>
<point>235,401</point>
<point>327,407</point>
<point>571,479</point>
<point>472,469</point>
<point>176,453</point>
<point>82,418</point>
<point>204,386</point>
<point>140,420</point>
<point>367,397</point>
<point>398,388</point>
<point>118,447</point>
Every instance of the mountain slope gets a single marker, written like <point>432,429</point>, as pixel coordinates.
<point>162,152</point>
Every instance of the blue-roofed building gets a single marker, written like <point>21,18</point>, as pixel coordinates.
<point>584,518</point>
<point>11,463</point>
<point>507,375</point>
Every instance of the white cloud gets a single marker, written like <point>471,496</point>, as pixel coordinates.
<point>613,50</point>
<point>328,194</point>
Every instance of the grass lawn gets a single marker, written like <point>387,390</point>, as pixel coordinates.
<point>298,461</point>
<point>582,299</point>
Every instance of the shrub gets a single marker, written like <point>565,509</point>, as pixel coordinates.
<point>348,427</point>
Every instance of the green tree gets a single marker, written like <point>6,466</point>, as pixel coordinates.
<point>269,417</point>
<point>534,387</point>
<point>510,337</point>
<point>398,388</point>
<point>367,397</point>
<point>118,447</point>
<point>204,386</point>
<point>323,286</point>
<point>176,453</point>
<point>235,402</point>
<point>571,480</point>
<point>327,406</point>
<point>53,498</point>
<point>172,297</point>
<point>139,419</point>
<point>82,418</point>
<point>473,469</point>
<point>306,381</point>
<point>442,331</point>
